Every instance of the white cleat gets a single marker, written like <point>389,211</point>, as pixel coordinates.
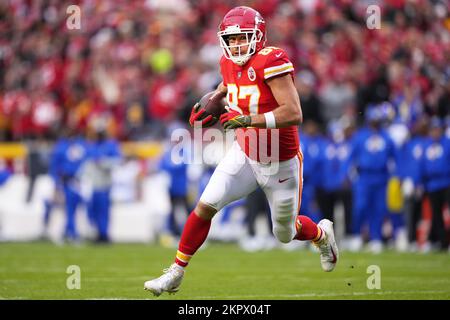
<point>329,253</point>
<point>169,282</point>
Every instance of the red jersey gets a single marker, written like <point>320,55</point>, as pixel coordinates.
<point>249,94</point>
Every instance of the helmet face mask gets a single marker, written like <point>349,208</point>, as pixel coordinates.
<point>244,50</point>
<point>242,21</point>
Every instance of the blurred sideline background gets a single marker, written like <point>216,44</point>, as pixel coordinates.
<point>131,74</point>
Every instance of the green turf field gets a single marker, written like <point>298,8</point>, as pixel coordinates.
<point>220,271</point>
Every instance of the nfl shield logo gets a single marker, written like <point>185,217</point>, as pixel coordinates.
<point>251,74</point>
<point>239,74</point>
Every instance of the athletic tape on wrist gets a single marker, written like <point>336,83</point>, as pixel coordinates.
<point>270,120</point>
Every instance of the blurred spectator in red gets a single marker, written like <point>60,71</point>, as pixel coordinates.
<point>141,62</point>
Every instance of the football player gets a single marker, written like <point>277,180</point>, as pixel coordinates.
<point>264,108</point>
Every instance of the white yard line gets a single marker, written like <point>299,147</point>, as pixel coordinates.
<point>250,297</point>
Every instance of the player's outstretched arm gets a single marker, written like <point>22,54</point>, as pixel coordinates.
<point>289,112</point>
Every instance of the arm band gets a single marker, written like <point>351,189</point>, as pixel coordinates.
<point>270,120</point>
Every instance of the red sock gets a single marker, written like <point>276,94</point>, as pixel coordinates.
<point>194,234</point>
<point>307,229</point>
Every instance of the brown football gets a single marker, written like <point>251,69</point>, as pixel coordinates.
<point>214,103</point>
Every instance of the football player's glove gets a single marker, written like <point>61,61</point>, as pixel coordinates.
<point>233,119</point>
<point>198,114</point>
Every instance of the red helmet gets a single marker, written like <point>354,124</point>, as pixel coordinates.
<point>242,20</point>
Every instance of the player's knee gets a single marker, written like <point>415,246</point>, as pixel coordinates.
<point>283,226</point>
<point>282,234</point>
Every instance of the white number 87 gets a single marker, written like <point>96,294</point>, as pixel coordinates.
<point>236,93</point>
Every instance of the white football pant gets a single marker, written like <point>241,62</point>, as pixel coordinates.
<point>236,176</point>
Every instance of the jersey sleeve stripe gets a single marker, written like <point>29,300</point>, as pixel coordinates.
<point>288,64</point>
<point>278,71</point>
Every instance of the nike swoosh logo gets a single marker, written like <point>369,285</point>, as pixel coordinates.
<point>334,255</point>
<point>278,54</point>
<point>282,180</point>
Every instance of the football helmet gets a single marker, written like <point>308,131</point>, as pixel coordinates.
<point>242,20</point>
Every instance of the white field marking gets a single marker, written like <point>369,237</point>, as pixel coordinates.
<point>309,295</point>
<point>306,295</point>
<point>115,279</point>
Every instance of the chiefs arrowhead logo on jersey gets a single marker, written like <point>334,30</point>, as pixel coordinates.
<point>251,74</point>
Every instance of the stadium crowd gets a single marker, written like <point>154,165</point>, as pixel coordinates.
<point>141,65</point>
